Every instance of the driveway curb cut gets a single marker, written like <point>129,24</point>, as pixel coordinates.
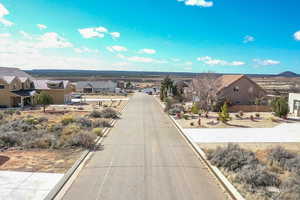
<point>78,165</point>
<point>233,192</point>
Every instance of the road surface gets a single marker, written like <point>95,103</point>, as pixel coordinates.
<point>144,157</point>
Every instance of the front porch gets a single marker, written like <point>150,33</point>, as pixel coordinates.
<point>23,98</point>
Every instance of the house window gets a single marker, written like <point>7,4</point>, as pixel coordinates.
<point>2,87</point>
<point>236,89</point>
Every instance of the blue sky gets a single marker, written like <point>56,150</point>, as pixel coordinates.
<point>249,36</point>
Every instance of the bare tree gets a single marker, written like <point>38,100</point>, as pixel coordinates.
<point>205,88</point>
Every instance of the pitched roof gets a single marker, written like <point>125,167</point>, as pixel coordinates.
<point>96,84</point>
<point>227,80</point>
<point>44,84</point>
<point>8,79</point>
<point>7,71</point>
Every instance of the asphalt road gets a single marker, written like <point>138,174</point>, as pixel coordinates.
<point>144,157</point>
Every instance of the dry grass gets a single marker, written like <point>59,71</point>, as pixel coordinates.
<point>266,120</point>
<point>54,161</point>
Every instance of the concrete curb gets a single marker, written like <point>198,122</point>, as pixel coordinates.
<point>233,192</point>
<point>66,181</point>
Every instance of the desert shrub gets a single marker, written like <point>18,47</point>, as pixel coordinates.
<point>84,122</point>
<point>17,125</point>
<point>110,113</point>
<point>101,123</point>
<point>257,177</point>
<point>290,188</point>
<point>186,117</point>
<point>232,157</point>
<point>38,139</point>
<point>98,131</point>
<point>280,107</point>
<point>56,128</point>
<point>174,111</point>
<point>83,139</point>
<point>224,114</point>
<point>257,115</point>
<point>70,129</point>
<point>241,113</point>
<point>96,114</point>
<point>279,156</point>
<point>195,109</point>
<point>293,165</point>
<point>192,124</point>
<point>9,139</point>
<point>42,119</point>
<point>67,119</point>
<point>106,113</point>
<point>9,112</point>
<point>31,121</point>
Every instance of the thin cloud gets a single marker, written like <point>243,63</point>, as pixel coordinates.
<point>147,51</point>
<point>200,3</point>
<point>297,36</point>
<point>116,48</point>
<point>41,26</point>
<point>3,13</point>
<point>248,38</point>
<point>266,62</point>
<point>211,61</point>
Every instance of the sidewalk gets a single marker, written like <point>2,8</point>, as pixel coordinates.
<point>281,133</point>
<point>26,185</point>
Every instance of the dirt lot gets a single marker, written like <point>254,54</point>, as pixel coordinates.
<point>53,161</point>
<point>266,120</point>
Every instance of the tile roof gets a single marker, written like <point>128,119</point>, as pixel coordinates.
<point>226,80</point>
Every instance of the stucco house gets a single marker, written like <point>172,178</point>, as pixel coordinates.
<point>96,86</point>
<point>238,89</point>
<point>294,104</point>
<point>234,89</point>
<point>19,89</point>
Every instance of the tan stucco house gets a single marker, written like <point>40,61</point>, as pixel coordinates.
<point>18,89</point>
<point>234,89</point>
<point>239,89</point>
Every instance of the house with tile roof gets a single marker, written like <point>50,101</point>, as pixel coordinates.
<point>239,89</point>
<point>235,89</point>
<point>19,89</point>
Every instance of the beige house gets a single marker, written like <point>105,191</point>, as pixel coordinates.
<point>238,89</point>
<point>19,89</point>
<point>234,89</point>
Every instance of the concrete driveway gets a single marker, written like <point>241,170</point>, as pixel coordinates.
<point>144,158</point>
<point>282,133</point>
<point>26,185</point>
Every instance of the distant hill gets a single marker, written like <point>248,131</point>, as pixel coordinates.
<point>132,74</point>
<point>288,74</point>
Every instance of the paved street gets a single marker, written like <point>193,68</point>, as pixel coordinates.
<point>144,157</point>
